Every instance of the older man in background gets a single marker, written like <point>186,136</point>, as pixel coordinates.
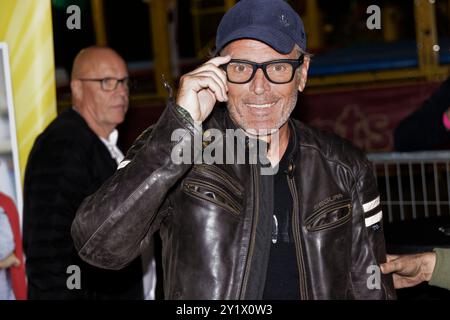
<point>74,155</point>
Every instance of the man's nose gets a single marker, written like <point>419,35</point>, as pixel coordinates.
<point>260,84</point>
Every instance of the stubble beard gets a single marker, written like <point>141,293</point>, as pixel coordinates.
<point>243,123</point>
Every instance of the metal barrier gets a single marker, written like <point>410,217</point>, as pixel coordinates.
<point>413,185</point>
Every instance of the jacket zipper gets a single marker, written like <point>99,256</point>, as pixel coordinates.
<point>253,234</point>
<point>328,207</point>
<point>331,224</point>
<point>218,176</point>
<point>297,240</point>
<point>190,185</point>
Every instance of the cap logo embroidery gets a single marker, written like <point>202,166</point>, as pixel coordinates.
<point>284,20</point>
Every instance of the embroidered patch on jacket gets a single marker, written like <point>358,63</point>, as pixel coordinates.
<point>328,200</point>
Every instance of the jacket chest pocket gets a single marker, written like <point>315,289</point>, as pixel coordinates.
<point>214,194</point>
<point>330,216</point>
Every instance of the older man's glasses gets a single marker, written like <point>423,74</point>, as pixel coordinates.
<point>276,71</point>
<point>110,83</point>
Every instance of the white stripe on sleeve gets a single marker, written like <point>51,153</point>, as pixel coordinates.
<point>371,204</point>
<point>374,219</point>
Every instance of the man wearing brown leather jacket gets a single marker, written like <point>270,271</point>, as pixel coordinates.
<point>302,221</point>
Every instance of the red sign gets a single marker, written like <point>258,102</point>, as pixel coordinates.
<point>366,117</point>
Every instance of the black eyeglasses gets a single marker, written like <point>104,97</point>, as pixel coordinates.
<point>110,83</point>
<point>276,71</point>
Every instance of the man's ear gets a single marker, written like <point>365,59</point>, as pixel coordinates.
<point>76,88</point>
<point>304,74</point>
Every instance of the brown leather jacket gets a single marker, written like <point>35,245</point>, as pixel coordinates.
<point>215,221</point>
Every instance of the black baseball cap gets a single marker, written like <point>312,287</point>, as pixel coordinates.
<point>273,22</point>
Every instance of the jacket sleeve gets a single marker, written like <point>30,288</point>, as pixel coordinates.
<point>424,129</point>
<point>441,276</point>
<point>113,224</point>
<point>369,249</point>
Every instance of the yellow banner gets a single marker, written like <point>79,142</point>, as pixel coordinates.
<point>26,26</point>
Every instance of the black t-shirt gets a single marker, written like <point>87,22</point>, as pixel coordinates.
<point>282,281</point>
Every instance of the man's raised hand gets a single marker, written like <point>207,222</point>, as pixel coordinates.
<point>200,89</point>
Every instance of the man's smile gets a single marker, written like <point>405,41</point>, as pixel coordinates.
<point>260,106</point>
